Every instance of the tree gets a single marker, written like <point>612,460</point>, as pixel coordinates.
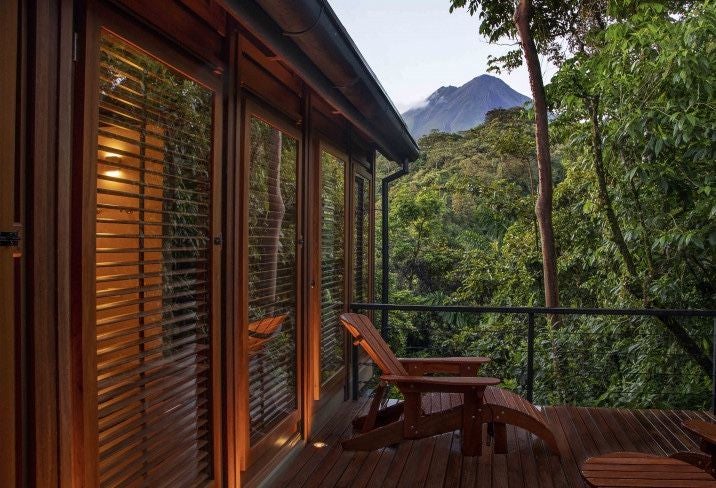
<point>632,133</point>
<point>645,88</point>
<point>537,28</point>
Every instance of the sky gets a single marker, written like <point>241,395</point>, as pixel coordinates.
<point>416,46</point>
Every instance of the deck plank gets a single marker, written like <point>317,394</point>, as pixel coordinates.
<point>515,472</point>
<point>486,464</point>
<point>528,462</point>
<point>454,465</point>
<point>671,422</point>
<point>302,466</point>
<point>567,441</point>
<point>650,442</point>
<point>395,470</point>
<point>437,462</point>
<point>417,463</point>
<point>363,476</point>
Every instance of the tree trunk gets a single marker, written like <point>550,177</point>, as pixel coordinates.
<point>543,206</point>
<point>276,211</point>
<point>604,199</point>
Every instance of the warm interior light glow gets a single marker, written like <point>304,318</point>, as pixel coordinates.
<point>113,173</point>
<point>319,445</point>
<point>111,155</point>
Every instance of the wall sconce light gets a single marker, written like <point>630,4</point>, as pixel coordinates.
<point>113,157</point>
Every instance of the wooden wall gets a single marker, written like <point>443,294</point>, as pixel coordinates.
<point>42,146</point>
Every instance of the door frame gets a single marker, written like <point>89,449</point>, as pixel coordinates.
<point>324,391</point>
<point>290,427</point>
<point>102,17</point>
<point>11,257</point>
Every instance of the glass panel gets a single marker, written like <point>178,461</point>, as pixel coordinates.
<point>272,277</point>
<point>332,264</point>
<point>361,240</point>
<point>154,157</point>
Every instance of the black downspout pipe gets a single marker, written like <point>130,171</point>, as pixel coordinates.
<point>385,185</point>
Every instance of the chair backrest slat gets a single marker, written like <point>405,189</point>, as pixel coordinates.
<point>363,330</point>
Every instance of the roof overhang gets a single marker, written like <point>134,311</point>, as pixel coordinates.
<point>308,37</point>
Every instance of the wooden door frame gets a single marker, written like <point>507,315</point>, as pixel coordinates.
<point>358,170</point>
<point>323,392</point>
<point>10,257</point>
<point>106,18</point>
<point>289,427</point>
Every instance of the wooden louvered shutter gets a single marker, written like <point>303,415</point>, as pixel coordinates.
<point>272,294</point>
<point>361,239</point>
<point>153,272</point>
<point>332,342</point>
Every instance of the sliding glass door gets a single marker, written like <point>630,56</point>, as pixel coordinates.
<point>272,281</point>
<point>156,271</point>
<point>332,243</point>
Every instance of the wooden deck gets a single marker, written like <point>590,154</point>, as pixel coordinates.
<point>436,462</point>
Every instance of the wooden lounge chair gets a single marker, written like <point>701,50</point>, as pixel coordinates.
<point>262,331</point>
<point>472,402</point>
<point>681,469</point>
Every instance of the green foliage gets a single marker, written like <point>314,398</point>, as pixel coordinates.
<point>654,79</point>
<point>558,26</point>
<point>462,224</point>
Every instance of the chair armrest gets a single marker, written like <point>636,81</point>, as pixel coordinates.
<point>457,366</point>
<point>445,384</point>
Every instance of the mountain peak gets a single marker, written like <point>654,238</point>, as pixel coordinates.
<point>440,94</point>
<point>453,109</point>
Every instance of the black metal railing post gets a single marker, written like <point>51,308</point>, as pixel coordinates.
<point>529,390</point>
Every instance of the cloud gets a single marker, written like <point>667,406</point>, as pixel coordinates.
<point>405,106</point>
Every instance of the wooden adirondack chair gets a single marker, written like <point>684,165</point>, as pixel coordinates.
<point>262,331</point>
<point>472,402</point>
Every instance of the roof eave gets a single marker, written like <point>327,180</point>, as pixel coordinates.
<point>308,36</point>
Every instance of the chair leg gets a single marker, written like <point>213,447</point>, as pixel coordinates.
<point>471,425</point>
<point>500,431</point>
<point>369,423</point>
<point>411,414</point>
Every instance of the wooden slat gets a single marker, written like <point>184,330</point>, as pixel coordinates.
<point>361,328</point>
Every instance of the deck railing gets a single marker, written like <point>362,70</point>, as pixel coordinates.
<point>647,358</point>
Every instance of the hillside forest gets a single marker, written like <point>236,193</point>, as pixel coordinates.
<point>633,152</point>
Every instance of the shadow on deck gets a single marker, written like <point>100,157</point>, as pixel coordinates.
<point>436,462</point>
